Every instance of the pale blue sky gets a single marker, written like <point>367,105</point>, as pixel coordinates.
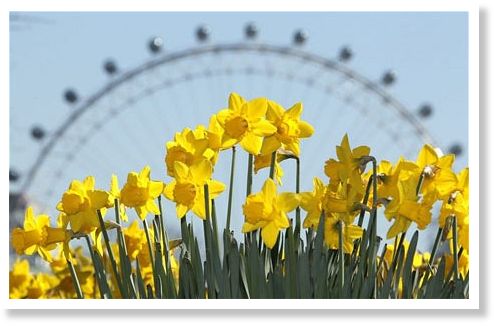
<point>52,51</point>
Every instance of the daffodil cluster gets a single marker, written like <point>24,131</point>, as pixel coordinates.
<point>141,262</point>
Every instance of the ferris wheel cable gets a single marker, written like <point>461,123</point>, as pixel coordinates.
<point>153,91</point>
<point>228,48</point>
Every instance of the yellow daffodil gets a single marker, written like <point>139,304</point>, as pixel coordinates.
<point>244,122</point>
<point>439,179</point>
<point>81,202</point>
<point>140,192</point>
<point>289,129</point>
<point>32,237</point>
<point>19,279</point>
<point>267,210</point>
<point>349,166</point>
<point>191,147</point>
<point>312,203</point>
<point>350,234</point>
<point>187,190</point>
<point>408,208</point>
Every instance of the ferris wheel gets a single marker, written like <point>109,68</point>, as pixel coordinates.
<point>125,124</point>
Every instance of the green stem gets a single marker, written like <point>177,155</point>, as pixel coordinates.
<point>297,190</point>
<point>150,247</point>
<point>214,221</point>
<point>249,174</point>
<point>341,258</point>
<point>110,254</point>
<point>75,280</point>
<point>455,248</point>
<point>230,191</point>
<point>272,165</point>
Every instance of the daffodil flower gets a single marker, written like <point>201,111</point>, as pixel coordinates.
<point>187,190</point>
<point>140,192</point>
<point>267,210</point>
<point>32,236</point>
<point>439,179</point>
<point>289,129</point>
<point>244,122</point>
<point>81,202</point>
<point>349,165</point>
<point>408,208</point>
<point>191,147</point>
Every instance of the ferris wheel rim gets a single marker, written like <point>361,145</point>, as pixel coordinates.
<point>257,47</point>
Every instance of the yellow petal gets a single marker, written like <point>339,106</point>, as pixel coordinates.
<point>181,171</point>
<point>181,210</point>
<point>251,143</point>
<point>98,198</point>
<point>152,207</point>
<point>274,112</point>
<point>269,234</point>
<point>256,109</point>
<point>169,188</point>
<point>446,161</point>
<point>306,129</point>
<point>201,172</point>
<point>247,227</point>
<point>269,145</point>
<point>114,189</point>
<point>155,188</point>
<point>145,173</point>
<point>360,151</point>
<point>89,183</point>
<point>400,224</point>
<point>295,111</point>
<point>235,101</point>
<point>269,191</point>
<point>427,156</point>
<point>141,211</point>
<point>288,201</point>
<point>263,128</point>
<point>215,188</point>
<point>199,207</point>
<point>29,221</point>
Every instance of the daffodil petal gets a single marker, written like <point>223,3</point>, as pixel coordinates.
<point>256,109</point>
<point>270,144</point>
<point>251,143</point>
<point>288,201</point>
<point>306,129</point>
<point>269,234</point>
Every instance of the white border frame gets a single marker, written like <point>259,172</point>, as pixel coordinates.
<point>258,5</point>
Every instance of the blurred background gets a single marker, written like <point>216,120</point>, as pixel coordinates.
<point>101,93</point>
